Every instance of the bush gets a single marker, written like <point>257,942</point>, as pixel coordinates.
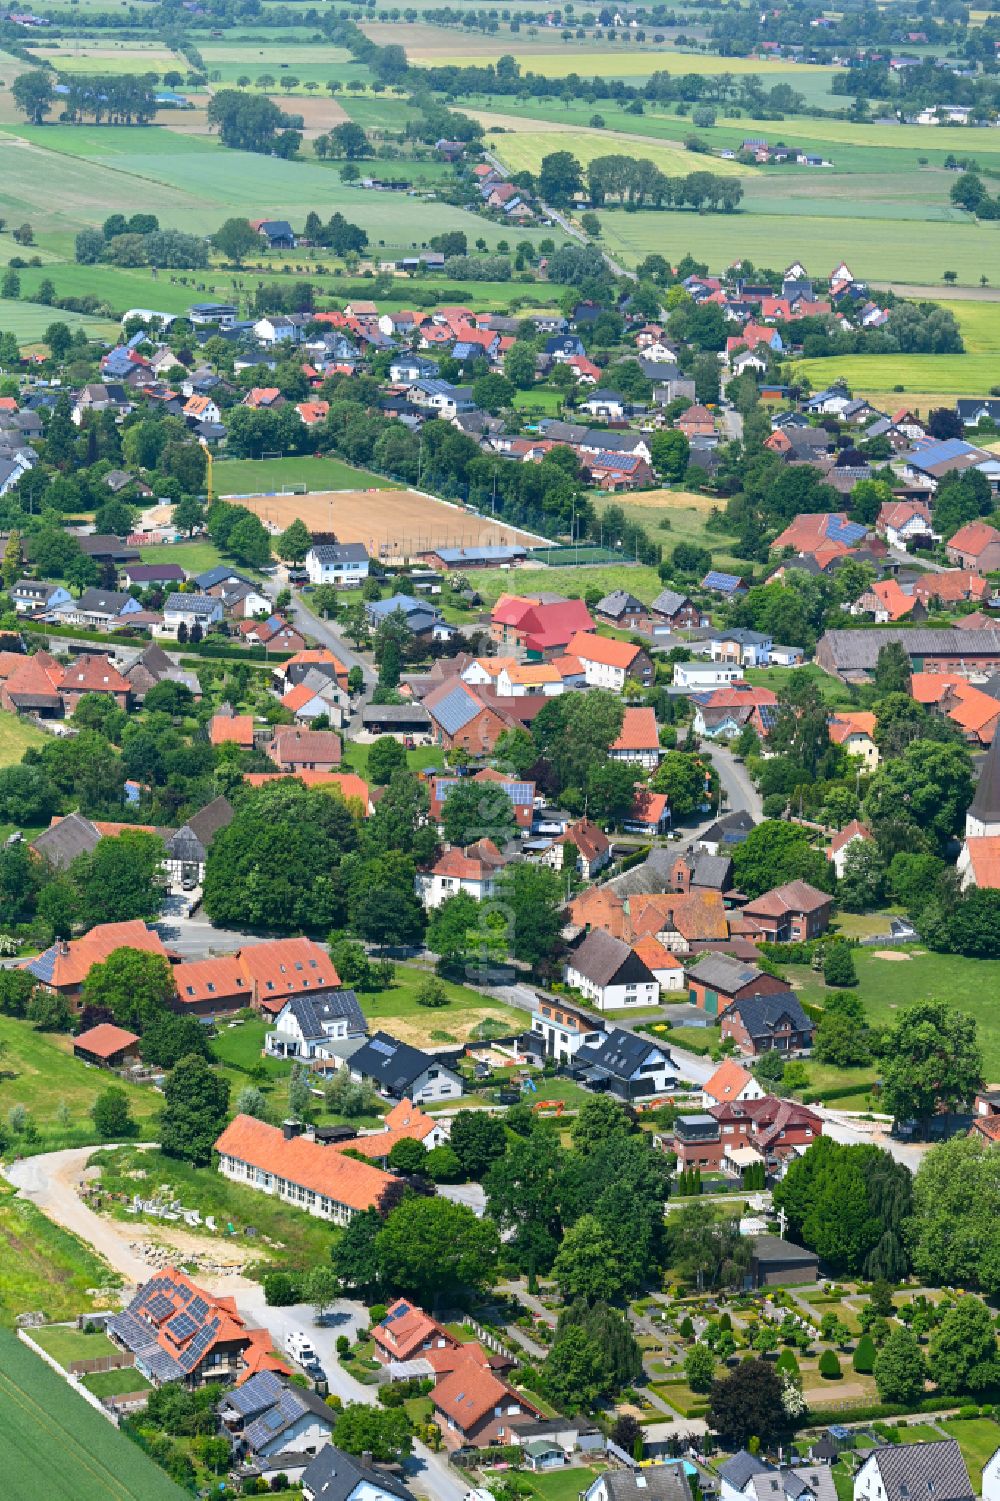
<point>280,1290</point>
<point>829,1366</point>
<point>863,1359</point>
<point>838,965</point>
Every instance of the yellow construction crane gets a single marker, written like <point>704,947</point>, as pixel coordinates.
<point>208,478</point>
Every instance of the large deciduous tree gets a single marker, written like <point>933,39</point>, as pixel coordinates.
<point>747,1403</point>
<point>433,1248</point>
<point>956,1207</point>
<point>931,1061</point>
<point>195,1110</point>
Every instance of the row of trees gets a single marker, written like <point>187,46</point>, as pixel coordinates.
<point>634,181</point>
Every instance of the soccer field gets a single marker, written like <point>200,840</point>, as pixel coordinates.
<point>55,1446</point>
<point>389,523</point>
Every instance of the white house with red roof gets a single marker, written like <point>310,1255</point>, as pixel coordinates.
<point>473,870</point>
<point>638,740</point>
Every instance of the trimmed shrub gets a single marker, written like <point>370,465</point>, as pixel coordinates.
<point>863,1359</point>
<point>829,1366</point>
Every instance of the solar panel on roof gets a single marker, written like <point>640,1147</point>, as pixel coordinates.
<point>183,1293</point>
<point>181,1327</point>
<point>159,1307</point>
<point>198,1308</point>
<point>382,1047</point>
<point>715,580</point>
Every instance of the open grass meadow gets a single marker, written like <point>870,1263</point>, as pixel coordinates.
<point>27,320</point>
<point>38,1071</point>
<point>968,374</point>
<point>194,557</point>
<point>523,149</point>
<point>401,1013</point>
<point>61,177</point>
<point>46,1269</point>
<point>880,249</point>
<point>672,516</point>
<point>56,1445</point>
<point>888,985</point>
<point>641,581</point>
<point>16,734</point>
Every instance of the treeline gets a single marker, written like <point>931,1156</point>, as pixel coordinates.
<point>636,182</point>
<point>108,98</point>
<point>139,241</point>
<point>252,122</point>
<point>913,328</point>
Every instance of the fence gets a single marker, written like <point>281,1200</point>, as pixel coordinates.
<point>115,1362</point>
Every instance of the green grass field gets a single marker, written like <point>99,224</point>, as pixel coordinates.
<point>63,177</point>
<point>66,1343</point>
<point>27,320</point>
<point>16,734</point>
<point>977,1439</point>
<point>643,582</point>
<point>116,1383</point>
<point>878,248</point>
<point>45,1268</point>
<point>888,986</point>
<point>262,476</point>
<point>399,1010</point>
<point>193,557</point>
<point>968,374</point>
<point>524,149</point>
<point>38,1070</point>
<point>55,1445</point>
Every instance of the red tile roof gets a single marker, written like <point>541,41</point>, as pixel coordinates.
<point>603,649</point>
<point>104,1040</point>
<point>237,728</point>
<point>974,538</point>
<point>305,1163</point>
<point>638,731</point>
<point>66,965</point>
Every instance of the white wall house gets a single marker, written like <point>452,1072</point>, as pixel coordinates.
<point>610,975</point>
<point>190,610</point>
<point>563,1027</point>
<point>325,1025</point>
<point>991,1477</point>
<point>698,675</point>
<point>343,564</point>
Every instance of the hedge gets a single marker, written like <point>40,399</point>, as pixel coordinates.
<point>839,1092</point>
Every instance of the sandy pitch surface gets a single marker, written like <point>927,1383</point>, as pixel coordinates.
<point>389,523</point>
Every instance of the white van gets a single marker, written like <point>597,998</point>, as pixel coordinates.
<point>299,1347</point>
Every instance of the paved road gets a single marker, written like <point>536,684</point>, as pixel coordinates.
<point>49,1181</point>
<point>739,790</point>
<point>326,633</point>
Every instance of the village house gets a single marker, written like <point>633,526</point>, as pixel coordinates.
<point>261,975</point>
<point>345,565</point>
<point>609,663</point>
<point>903,1472</point>
<point>65,964</point>
<point>976,547</point>
<point>759,1023</point>
<point>852,833</point>
<point>638,740</point>
<point>563,1027</point>
<point>399,1071</point>
<point>474,1408</point>
<point>176,1331</point>
<point>730,1085</point>
<point>855,731</point>
<point>323,1024</point>
<point>190,610</point>
<point>792,913</point>
<point>336,1476</point>
<point>274,1427</point>
<point>716,981</point>
<point>590,844</point>
<point>107,1046</point>
<point>610,975</point>
<point>622,609</point>
<point>630,1067</point>
<point>473,870</point>
<point>304,750</point>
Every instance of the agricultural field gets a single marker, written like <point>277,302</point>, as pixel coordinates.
<point>969,374</point>
<point>641,581</point>
<point>56,1445</point>
<point>521,149</point>
<point>16,734</point>
<point>309,63</point>
<point>64,177</point>
<point>392,523</point>
<point>671,516</point>
<point>879,249</point>
<point>46,1269</point>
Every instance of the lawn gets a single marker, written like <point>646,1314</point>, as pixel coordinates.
<point>888,986</point>
<point>562,1485</point>
<point>641,581</point>
<point>835,693</point>
<point>672,516</point>
<point>421,758</point>
<point>55,1444</point>
<point>193,557</point>
<point>67,1344</point>
<point>969,374</point>
<point>45,1268</point>
<point>977,1438</point>
<point>116,1383</point>
<point>38,1070</point>
<point>16,734</point>
<point>233,477</point>
<point>398,1010</point>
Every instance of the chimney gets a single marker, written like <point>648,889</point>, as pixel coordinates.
<point>367,1460</point>
<point>290,1129</point>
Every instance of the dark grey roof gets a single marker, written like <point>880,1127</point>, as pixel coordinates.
<point>720,972</point>
<point>728,828</point>
<point>713,872</point>
<point>408,714</point>
<point>218,575</point>
<point>923,1472</point>
<point>336,1476</point>
<point>668,602</point>
<point>773,1248</point>
<point>192,840</point>
<point>760,1014</point>
<point>339,552</point>
<point>291,1404</point>
<point>742,1468</point>
<point>985,803</point>
<point>255,1395</point>
<point>102,601</point>
<point>71,836</point>
<point>657,1483</point>
<point>858,651</point>
<point>601,957</point>
<point>618,602</point>
<point>311,1011</point>
<point>619,1054</point>
<point>392,1064</point>
<point>653,875</point>
<point>192,604</point>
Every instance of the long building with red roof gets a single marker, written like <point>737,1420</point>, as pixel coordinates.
<point>317,1178</point>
